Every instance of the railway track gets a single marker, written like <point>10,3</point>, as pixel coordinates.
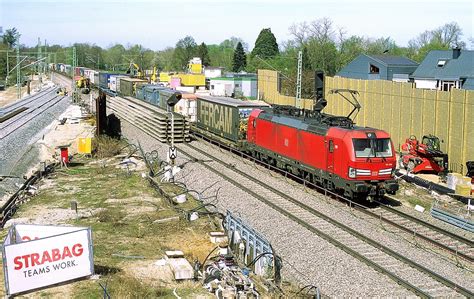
<point>458,246</point>
<point>18,107</point>
<point>413,276</point>
<point>27,110</point>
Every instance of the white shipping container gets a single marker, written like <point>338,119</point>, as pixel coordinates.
<point>190,89</point>
<point>187,108</point>
<point>92,77</point>
<point>115,82</point>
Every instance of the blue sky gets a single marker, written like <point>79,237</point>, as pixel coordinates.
<point>157,24</point>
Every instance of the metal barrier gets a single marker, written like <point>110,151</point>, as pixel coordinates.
<point>453,217</point>
<point>254,244</point>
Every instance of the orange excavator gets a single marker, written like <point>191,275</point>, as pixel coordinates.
<point>424,157</point>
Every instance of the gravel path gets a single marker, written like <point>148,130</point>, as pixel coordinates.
<point>322,264</point>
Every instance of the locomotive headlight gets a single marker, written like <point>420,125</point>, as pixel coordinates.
<point>352,172</point>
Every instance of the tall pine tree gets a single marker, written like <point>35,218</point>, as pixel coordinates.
<point>240,59</point>
<point>203,53</point>
<point>265,45</point>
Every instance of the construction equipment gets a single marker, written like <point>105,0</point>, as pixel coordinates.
<point>84,85</point>
<point>424,157</point>
<point>135,71</point>
<point>62,91</point>
<point>153,77</point>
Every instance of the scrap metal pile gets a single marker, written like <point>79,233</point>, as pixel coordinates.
<point>223,277</point>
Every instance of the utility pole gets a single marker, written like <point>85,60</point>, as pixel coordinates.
<point>73,64</point>
<point>38,66</point>
<point>18,73</point>
<point>8,69</point>
<point>45,62</point>
<point>298,79</point>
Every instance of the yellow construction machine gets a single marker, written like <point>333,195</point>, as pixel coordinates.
<point>135,71</point>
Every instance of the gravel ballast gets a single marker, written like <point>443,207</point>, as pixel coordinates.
<point>321,264</point>
<point>19,151</point>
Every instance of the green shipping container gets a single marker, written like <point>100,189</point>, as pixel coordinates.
<point>223,116</point>
<point>129,86</point>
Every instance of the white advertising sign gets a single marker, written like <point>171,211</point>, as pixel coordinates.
<point>49,258</point>
<point>29,232</point>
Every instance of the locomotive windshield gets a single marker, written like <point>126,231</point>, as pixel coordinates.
<point>369,148</point>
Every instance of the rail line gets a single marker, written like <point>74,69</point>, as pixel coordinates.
<point>374,254</point>
<point>458,246</point>
<point>42,103</point>
<point>26,100</point>
<point>408,273</point>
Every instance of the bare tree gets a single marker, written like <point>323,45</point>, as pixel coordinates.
<point>300,32</point>
<point>447,36</point>
<point>322,30</point>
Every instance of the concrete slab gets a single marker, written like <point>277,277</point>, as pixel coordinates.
<point>181,268</point>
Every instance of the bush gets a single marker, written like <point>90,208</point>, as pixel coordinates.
<point>105,147</point>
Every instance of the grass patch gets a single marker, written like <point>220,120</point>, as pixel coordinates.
<point>413,201</point>
<point>112,194</point>
<point>123,210</point>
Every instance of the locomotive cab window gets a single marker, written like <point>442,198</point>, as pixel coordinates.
<point>369,148</point>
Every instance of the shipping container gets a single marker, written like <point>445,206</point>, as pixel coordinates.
<point>95,78</point>
<point>68,69</point>
<point>104,79</point>
<point>192,79</point>
<point>79,71</point>
<point>151,94</point>
<point>139,93</point>
<point>129,86</point>
<point>187,106</point>
<point>225,117</point>
<point>114,84</point>
<point>190,89</point>
<point>165,77</point>
<point>87,73</point>
<point>175,82</point>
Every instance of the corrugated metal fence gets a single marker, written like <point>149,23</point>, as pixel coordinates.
<point>400,109</point>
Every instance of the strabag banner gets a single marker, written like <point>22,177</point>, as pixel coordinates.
<point>36,256</point>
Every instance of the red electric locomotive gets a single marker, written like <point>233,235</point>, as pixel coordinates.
<point>324,149</point>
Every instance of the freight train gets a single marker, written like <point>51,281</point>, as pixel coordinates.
<point>330,151</point>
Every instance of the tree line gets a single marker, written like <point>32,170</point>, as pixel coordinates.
<point>324,46</point>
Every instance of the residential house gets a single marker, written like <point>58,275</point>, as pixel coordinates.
<point>379,67</point>
<point>445,69</point>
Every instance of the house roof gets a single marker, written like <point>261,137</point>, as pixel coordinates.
<point>390,60</point>
<point>450,69</point>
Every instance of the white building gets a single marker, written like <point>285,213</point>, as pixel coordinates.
<point>213,72</point>
<point>234,87</point>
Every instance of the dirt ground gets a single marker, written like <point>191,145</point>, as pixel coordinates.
<point>9,95</point>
